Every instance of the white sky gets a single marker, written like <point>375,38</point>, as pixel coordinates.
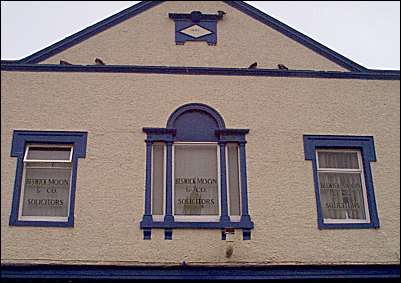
<point>367,32</point>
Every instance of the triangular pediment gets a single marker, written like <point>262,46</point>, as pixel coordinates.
<point>147,34</point>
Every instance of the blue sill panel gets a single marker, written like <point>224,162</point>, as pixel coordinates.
<point>366,146</point>
<point>195,122</point>
<point>20,139</point>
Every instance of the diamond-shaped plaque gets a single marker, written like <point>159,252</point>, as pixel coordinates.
<point>196,31</point>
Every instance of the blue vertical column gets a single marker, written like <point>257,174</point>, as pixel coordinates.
<point>224,219</point>
<point>169,218</point>
<point>147,217</point>
<point>245,218</point>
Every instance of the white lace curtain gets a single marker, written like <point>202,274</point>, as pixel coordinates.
<point>341,192</point>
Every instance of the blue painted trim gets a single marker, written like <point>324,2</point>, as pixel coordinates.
<point>206,21</point>
<point>197,225</point>
<point>294,272</point>
<point>244,184</point>
<point>366,145</point>
<point>159,134</point>
<point>168,234</point>
<point>211,71</point>
<point>20,139</point>
<point>195,107</point>
<point>147,234</point>
<point>9,62</point>
<point>232,135</point>
<point>145,5</point>
<point>148,184</point>
<point>223,235</point>
<point>311,142</point>
<point>195,16</point>
<point>169,218</point>
<point>246,234</point>
<point>224,218</point>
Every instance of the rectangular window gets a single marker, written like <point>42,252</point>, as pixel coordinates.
<point>341,186</point>
<point>46,183</point>
<point>196,183</point>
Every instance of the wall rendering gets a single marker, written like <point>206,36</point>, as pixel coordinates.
<point>114,107</point>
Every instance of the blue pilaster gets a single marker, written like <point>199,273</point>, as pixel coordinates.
<point>148,182</point>
<point>244,186</point>
<point>169,218</point>
<point>224,219</point>
<point>147,217</point>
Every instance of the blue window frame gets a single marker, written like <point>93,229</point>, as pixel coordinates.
<point>363,148</point>
<point>196,123</point>
<point>22,141</point>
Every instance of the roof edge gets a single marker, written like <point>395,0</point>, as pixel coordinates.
<point>239,5</point>
<point>369,75</point>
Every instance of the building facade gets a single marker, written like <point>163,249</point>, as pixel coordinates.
<point>192,139</point>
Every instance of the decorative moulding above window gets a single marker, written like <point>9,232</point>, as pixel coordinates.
<point>196,26</point>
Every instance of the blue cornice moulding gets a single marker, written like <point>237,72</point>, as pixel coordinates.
<point>213,71</point>
<point>286,272</point>
<point>145,5</point>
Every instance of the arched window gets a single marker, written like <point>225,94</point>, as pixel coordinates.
<point>196,174</point>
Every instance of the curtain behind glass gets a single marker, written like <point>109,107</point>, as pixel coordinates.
<point>342,160</point>
<point>341,194</point>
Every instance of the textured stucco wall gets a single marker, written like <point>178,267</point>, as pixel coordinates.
<point>113,108</point>
<point>149,39</point>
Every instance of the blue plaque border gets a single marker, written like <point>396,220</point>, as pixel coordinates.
<point>206,21</point>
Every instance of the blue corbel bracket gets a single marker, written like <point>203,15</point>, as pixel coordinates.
<point>196,26</point>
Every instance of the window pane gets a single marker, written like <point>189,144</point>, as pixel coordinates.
<point>49,153</point>
<point>341,196</point>
<point>195,180</point>
<point>340,160</point>
<point>158,179</point>
<point>233,180</point>
<point>46,191</point>
<point>47,164</point>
